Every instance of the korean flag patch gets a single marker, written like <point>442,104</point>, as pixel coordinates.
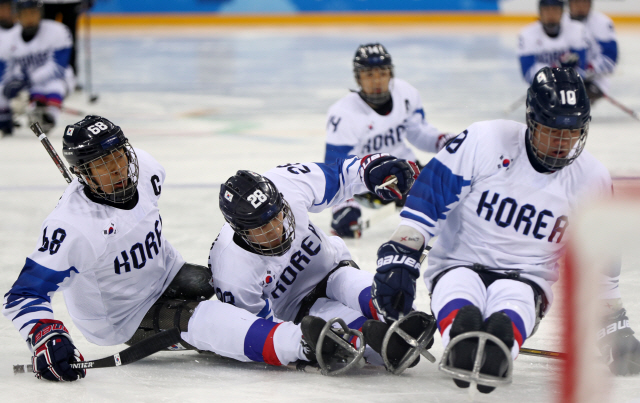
<point>228,195</point>
<point>69,132</point>
<point>109,230</point>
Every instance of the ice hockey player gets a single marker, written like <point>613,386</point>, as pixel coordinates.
<point>603,52</point>
<point>271,260</point>
<point>553,41</point>
<point>376,119</point>
<point>103,247</point>
<point>40,52</point>
<point>500,197</point>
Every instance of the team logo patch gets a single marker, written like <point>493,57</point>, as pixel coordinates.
<point>228,195</point>
<point>69,132</point>
<point>109,230</point>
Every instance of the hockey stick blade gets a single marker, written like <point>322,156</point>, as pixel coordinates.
<point>138,351</point>
<point>543,353</point>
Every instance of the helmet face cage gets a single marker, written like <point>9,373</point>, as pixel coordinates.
<point>273,238</point>
<point>545,142</point>
<point>112,176</point>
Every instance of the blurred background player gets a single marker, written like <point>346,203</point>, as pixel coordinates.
<point>67,12</point>
<point>552,41</point>
<point>603,52</point>
<point>103,247</point>
<point>40,52</point>
<point>7,16</point>
<point>375,119</point>
<point>272,261</point>
<point>499,197</point>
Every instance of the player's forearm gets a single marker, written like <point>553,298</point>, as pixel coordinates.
<point>410,237</point>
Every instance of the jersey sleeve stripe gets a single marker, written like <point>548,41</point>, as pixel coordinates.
<point>31,322</point>
<point>334,178</point>
<point>32,309</point>
<point>334,152</point>
<point>37,281</point>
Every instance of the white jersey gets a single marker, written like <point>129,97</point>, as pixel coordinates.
<point>354,128</point>
<point>46,56</point>
<point>110,264</point>
<point>271,286</point>
<point>488,204</point>
<point>603,48</point>
<point>536,49</point>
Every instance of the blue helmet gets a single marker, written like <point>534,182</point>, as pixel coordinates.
<point>369,56</point>
<point>23,4</point>
<point>86,144</point>
<point>558,3</point>
<point>249,201</point>
<point>557,102</point>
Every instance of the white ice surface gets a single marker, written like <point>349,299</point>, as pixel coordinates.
<point>208,102</point>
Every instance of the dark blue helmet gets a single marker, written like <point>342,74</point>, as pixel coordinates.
<point>23,4</point>
<point>558,3</point>
<point>557,103</point>
<point>91,143</point>
<point>252,205</point>
<point>371,55</point>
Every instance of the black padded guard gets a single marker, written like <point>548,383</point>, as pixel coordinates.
<point>138,351</point>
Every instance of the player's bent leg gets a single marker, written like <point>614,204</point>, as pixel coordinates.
<point>192,282</point>
<point>177,304</point>
<point>235,333</point>
<point>352,287</point>
<point>516,300</point>
<point>165,314</point>
<point>456,289</point>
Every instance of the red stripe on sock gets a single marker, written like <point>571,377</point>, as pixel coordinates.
<point>269,351</point>
<point>374,313</point>
<point>517,335</point>
<point>446,322</point>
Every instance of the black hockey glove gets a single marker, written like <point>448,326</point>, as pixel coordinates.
<point>593,91</point>
<point>394,285</point>
<point>618,346</point>
<point>380,169</point>
<point>13,87</point>
<point>53,351</point>
<point>346,222</point>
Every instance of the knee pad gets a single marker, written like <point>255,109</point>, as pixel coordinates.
<point>193,282</point>
<point>165,314</point>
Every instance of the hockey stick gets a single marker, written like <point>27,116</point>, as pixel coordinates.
<point>37,130</point>
<point>87,53</point>
<point>138,351</point>
<point>543,353</point>
<point>631,112</point>
<point>515,105</point>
